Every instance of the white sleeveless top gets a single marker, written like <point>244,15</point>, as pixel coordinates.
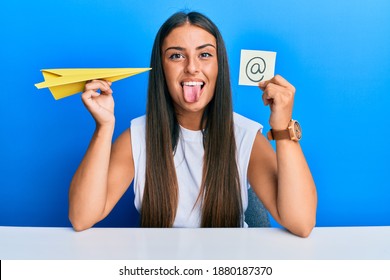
<point>188,161</point>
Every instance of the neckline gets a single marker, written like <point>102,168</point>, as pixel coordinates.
<point>188,134</point>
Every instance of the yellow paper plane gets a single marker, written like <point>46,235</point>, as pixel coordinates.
<point>66,82</point>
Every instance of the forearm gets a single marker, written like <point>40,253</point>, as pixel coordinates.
<point>88,190</point>
<point>296,194</point>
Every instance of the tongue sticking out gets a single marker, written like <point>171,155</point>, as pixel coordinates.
<point>191,93</point>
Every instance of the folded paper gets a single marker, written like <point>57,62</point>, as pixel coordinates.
<point>66,82</point>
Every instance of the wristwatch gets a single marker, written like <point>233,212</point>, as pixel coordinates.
<point>293,132</point>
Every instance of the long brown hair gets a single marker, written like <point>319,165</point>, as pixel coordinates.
<point>220,193</point>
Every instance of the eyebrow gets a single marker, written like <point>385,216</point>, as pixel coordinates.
<point>197,48</point>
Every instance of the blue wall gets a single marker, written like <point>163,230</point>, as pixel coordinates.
<point>336,53</point>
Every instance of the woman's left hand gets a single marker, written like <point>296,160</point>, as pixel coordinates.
<point>278,93</point>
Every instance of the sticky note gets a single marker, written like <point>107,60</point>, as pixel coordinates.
<point>69,81</point>
<point>256,66</point>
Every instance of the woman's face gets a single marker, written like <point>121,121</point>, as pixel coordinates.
<point>189,57</point>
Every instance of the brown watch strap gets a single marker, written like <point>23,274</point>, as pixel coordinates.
<point>278,134</point>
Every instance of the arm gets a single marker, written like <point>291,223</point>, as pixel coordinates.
<point>283,180</point>
<point>106,170</point>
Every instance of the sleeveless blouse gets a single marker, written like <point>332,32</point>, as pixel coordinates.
<point>188,160</point>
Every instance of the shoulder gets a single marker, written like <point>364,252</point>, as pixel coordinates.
<point>138,122</point>
<point>138,127</point>
<point>137,133</point>
<point>245,131</point>
<point>242,124</point>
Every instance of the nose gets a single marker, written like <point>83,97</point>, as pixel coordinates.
<point>192,66</point>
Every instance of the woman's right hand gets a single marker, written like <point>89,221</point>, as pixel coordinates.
<point>100,105</point>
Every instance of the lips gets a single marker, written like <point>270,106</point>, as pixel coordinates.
<point>192,90</point>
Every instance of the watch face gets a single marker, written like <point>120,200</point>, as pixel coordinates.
<point>297,130</point>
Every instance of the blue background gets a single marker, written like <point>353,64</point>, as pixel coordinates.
<point>336,53</point>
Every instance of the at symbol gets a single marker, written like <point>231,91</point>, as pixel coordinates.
<point>255,69</point>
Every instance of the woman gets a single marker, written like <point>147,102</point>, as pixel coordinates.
<point>191,157</point>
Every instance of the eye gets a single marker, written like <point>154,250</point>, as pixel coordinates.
<point>176,56</point>
<point>205,55</point>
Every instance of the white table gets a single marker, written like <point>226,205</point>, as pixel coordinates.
<point>333,243</point>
